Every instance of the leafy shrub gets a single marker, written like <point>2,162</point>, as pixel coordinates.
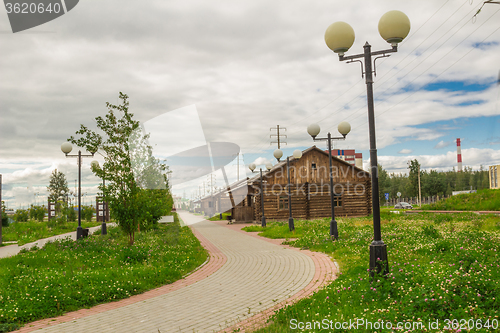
<point>37,213</point>
<point>21,215</point>
<point>5,220</point>
<point>430,231</point>
<point>87,213</point>
<point>70,214</point>
<point>8,327</point>
<point>59,220</point>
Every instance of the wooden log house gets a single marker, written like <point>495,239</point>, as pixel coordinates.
<point>310,187</point>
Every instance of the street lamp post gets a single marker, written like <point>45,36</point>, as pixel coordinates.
<point>252,167</point>
<point>104,230</point>
<point>66,149</point>
<point>344,129</point>
<point>296,154</point>
<point>36,194</point>
<point>393,26</point>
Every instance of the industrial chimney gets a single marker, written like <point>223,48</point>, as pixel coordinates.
<point>459,156</point>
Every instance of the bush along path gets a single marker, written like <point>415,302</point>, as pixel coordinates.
<point>444,276</point>
<point>66,275</point>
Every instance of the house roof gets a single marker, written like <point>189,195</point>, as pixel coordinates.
<point>256,178</point>
<point>281,164</point>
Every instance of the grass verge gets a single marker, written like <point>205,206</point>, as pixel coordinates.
<point>27,232</point>
<point>67,275</point>
<point>443,269</point>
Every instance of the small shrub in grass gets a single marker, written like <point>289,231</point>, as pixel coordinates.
<point>436,273</point>
<point>21,215</point>
<point>8,327</point>
<point>87,213</point>
<point>67,275</point>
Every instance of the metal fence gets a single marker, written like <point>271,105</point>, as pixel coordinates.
<point>414,200</point>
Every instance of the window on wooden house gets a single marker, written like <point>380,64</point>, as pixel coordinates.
<point>313,166</point>
<point>337,200</point>
<point>283,202</point>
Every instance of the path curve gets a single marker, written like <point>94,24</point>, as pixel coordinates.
<point>251,276</point>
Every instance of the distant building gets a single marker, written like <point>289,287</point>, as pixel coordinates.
<point>494,183</point>
<point>349,155</point>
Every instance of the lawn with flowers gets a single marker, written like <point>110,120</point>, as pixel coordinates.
<point>444,273</point>
<point>67,275</point>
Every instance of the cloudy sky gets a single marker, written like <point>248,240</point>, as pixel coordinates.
<point>244,67</point>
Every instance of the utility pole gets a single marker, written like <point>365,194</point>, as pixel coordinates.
<point>419,191</point>
<point>278,135</point>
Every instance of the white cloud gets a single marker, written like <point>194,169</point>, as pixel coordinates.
<point>472,157</point>
<point>405,151</point>
<point>442,144</point>
<point>262,161</point>
<point>247,66</point>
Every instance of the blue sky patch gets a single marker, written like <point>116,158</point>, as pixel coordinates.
<point>484,46</point>
<point>457,86</point>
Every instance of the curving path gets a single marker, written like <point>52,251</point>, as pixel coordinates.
<point>250,275</point>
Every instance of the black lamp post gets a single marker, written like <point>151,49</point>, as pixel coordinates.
<point>252,168</point>
<point>104,230</point>
<point>296,154</point>
<point>313,130</point>
<point>393,26</point>
<point>66,149</point>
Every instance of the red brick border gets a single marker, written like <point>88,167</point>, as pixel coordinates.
<point>216,260</point>
<point>325,272</point>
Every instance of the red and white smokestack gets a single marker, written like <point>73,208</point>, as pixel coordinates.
<point>459,155</point>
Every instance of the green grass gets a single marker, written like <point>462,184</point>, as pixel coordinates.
<point>217,217</point>
<point>279,229</point>
<point>27,232</point>
<point>67,275</point>
<point>482,200</point>
<point>442,267</point>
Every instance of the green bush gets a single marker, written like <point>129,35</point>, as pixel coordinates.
<point>87,213</point>
<point>71,214</point>
<point>37,213</point>
<point>5,220</point>
<point>21,215</point>
<point>8,327</point>
<point>59,220</point>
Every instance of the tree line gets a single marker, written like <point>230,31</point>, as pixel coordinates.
<point>432,182</point>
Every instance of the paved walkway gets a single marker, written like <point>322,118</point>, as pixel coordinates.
<point>11,250</point>
<point>252,275</point>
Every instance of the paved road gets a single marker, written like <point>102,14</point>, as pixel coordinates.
<point>256,275</point>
